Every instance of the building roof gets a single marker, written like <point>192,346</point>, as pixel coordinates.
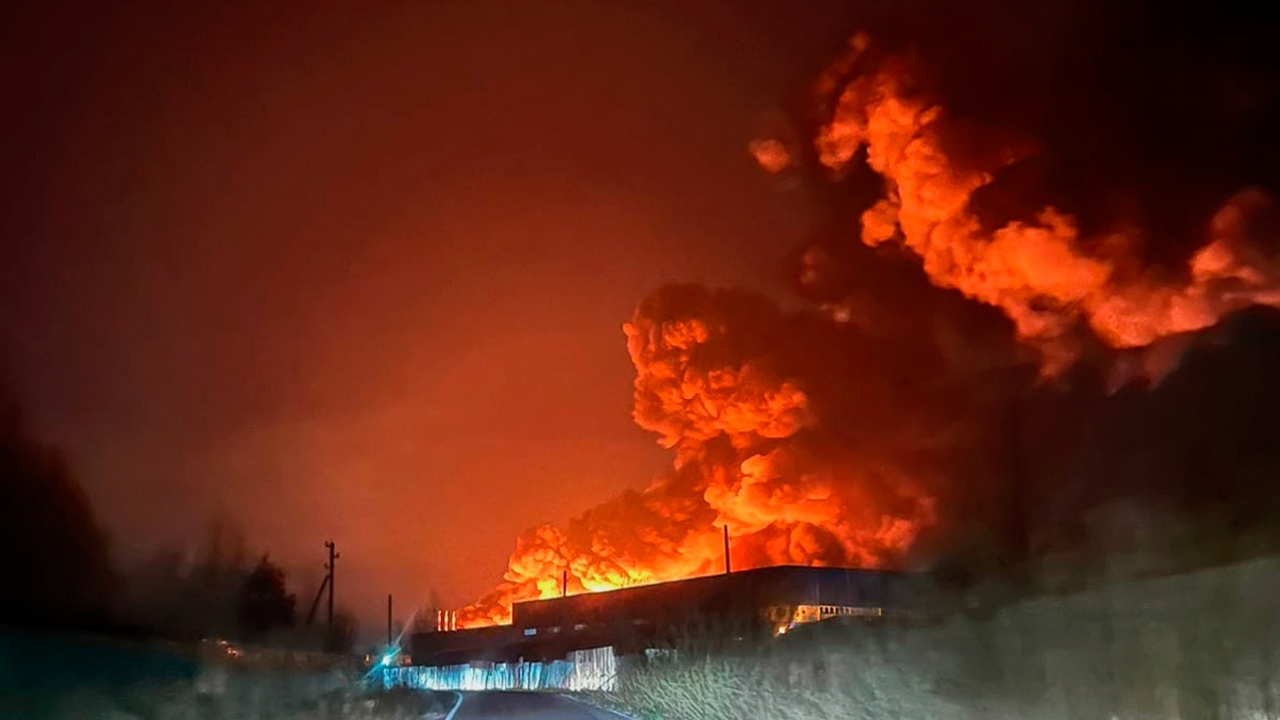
<point>758,588</point>
<point>633,617</point>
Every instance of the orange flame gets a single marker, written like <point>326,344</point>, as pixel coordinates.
<point>1036,272</point>
<point>740,425</point>
<point>733,423</point>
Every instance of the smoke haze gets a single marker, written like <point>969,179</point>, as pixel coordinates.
<point>884,425</point>
<point>360,276</point>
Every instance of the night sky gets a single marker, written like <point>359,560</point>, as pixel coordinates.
<point>359,274</point>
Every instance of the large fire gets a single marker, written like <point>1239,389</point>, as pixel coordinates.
<point>736,424</point>
<point>749,436</point>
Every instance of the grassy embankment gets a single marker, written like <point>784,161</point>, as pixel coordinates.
<point>1193,646</point>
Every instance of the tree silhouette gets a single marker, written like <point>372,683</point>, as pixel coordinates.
<point>191,593</point>
<point>58,572</point>
<point>264,603</point>
<point>342,636</point>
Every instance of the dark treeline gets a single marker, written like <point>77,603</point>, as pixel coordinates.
<point>59,575</point>
<point>56,570</point>
<point>1086,484</point>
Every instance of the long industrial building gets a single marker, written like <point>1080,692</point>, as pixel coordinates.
<point>723,607</point>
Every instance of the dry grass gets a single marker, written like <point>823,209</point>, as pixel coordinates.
<point>1203,645</point>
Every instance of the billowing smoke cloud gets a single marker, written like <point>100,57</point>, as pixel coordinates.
<point>1047,278</point>
<point>1003,207</point>
<point>771,437</point>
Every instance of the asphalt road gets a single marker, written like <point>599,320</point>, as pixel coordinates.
<point>526,706</point>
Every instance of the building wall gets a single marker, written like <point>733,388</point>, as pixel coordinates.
<point>726,607</point>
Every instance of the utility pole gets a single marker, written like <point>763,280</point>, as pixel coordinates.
<point>315,604</point>
<point>1017,523</point>
<point>727,567</point>
<point>333,557</point>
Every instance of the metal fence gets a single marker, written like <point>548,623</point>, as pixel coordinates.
<point>594,669</point>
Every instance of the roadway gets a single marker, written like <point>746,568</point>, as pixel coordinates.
<point>526,706</point>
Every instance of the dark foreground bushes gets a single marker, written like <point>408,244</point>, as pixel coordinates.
<point>60,678</point>
<point>1203,645</point>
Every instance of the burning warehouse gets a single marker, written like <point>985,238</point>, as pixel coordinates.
<point>718,608</point>
<point>933,402</point>
<point>932,407</point>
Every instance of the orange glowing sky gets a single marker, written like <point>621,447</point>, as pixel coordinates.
<point>361,275</point>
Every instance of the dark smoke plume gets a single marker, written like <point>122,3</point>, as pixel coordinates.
<point>1047,230</point>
